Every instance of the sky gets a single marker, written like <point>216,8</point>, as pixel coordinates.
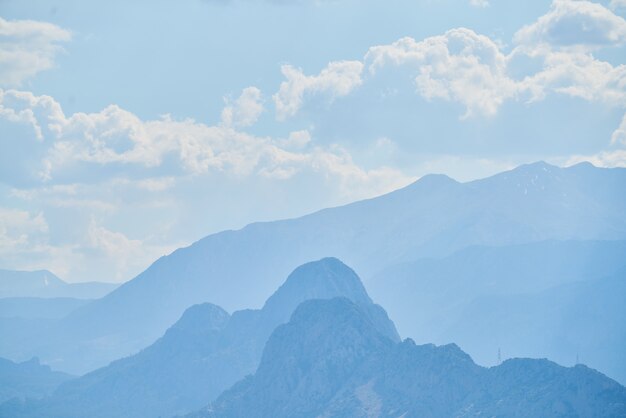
<point>130,129</point>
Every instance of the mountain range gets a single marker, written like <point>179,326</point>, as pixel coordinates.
<point>432,218</point>
<point>44,284</point>
<point>330,361</point>
<point>201,355</point>
<point>27,380</point>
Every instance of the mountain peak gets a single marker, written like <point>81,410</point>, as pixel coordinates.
<point>202,317</point>
<point>433,181</point>
<point>322,279</point>
<point>536,168</point>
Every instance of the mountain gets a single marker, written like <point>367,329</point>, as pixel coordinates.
<point>202,354</point>
<point>43,284</point>
<point>330,361</point>
<point>582,321</point>
<point>33,308</point>
<point>29,379</point>
<point>434,217</point>
<point>450,299</point>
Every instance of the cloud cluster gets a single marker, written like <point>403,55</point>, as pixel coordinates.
<point>244,111</point>
<point>337,79</point>
<point>27,47</point>
<point>107,162</point>
<point>572,23</point>
<point>476,71</point>
<point>116,136</point>
<point>19,228</point>
<point>460,66</point>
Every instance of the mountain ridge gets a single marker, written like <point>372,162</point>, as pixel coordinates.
<point>351,371</point>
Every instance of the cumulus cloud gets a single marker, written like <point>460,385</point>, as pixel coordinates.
<point>116,136</point>
<point>27,47</point>
<point>577,74</point>
<point>468,68</point>
<point>337,79</point>
<point>575,23</point>
<point>244,111</point>
<point>146,166</point>
<point>476,71</point>
<point>460,66</point>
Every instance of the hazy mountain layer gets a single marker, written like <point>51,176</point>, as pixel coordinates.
<point>203,354</point>
<point>43,284</point>
<point>581,321</point>
<point>563,297</point>
<point>32,308</point>
<point>29,379</point>
<point>330,361</point>
<point>435,216</point>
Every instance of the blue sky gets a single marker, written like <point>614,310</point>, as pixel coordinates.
<point>128,130</point>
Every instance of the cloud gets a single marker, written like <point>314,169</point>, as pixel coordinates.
<point>471,69</point>
<point>460,66</point>
<point>608,159</point>
<point>25,243</point>
<point>617,4</point>
<point>19,228</point>
<point>116,247</point>
<point>295,140</point>
<point>479,3</point>
<point>338,79</point>
<point>619,135</point>
<point>576,74</point>
<point>119,138</point>
<point>572,23</point>
<point>27,47</point>
<point>113,164</point>
<point>244,111</point>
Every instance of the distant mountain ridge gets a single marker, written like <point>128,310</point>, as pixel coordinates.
<point>202,354</point>
<point>33,308</point>
<point>44,284</point>
<point>329,361</point>
<point>435,216</point>
<point>442,300</point>
<point>27,380</point>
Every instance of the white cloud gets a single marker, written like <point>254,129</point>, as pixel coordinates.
<point>20,228</point>
<point>295,140</point>
<point>126,254</point>
<point>338,79</point>
<point>577,74</point>
<point>244,111</point>
<point>575,23</point>
<point>617,4</point>
<point>25,244</point>
<point>27,47</point>
<point>619,135</point>
<point>146,167</point>
<point>609,159</point>
<point>460,66</point>
<point>116,136</point>
<point>471,69</point>
<point>479,3</point>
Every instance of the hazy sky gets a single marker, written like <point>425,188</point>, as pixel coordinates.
<point>128,129</point>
